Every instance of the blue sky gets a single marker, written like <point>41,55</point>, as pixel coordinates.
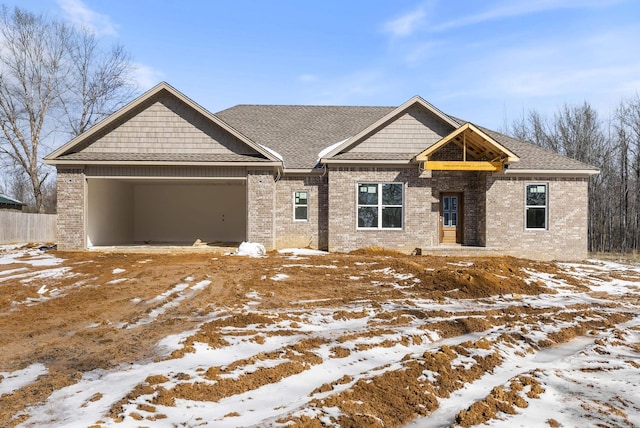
<point>484,61</point>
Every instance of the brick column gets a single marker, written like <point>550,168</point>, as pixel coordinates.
<point>261,208</point>
<point>71,215</point>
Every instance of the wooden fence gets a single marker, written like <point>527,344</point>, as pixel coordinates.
<point>18,227</point>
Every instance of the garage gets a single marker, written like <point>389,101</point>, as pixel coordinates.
<point>124,211</point>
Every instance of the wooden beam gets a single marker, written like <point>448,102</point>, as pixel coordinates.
<point>463,166</point>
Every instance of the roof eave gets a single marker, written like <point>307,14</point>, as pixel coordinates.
<point>159,163</point>
<point>303,171</point>
<point>551,172</point>
<point>368,161</point>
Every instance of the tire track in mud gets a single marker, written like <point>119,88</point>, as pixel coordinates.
<point>359,340</point>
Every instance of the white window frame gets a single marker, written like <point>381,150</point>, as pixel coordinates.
<point>545,206</point>
<point>379,205</point>
<point>296,205</point>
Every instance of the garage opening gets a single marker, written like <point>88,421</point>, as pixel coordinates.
<point>165,212</point>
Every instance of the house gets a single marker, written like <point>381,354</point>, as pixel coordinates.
<point>163,169</point>
<point>7,203</point>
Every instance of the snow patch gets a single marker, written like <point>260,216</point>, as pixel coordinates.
<point>273,152</point>
<point>13,381</point>
<point>329,149</point>
<point>251,249</point>
<point>296,252</point>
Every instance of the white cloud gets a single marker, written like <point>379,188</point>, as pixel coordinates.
<point>406,24</point>
<point>81,15</point>
<point>356,88</point>
<point>147,77</point>
<point>308,78</point>
<point>421,51</point>
<point>519,8</point>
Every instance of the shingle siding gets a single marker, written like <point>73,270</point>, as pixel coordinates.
<point>411,132</point>
<point>168,126</point>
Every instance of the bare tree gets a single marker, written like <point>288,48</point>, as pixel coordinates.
<point>628,132</point>
<point>53,78</point>
<point>97,82</point>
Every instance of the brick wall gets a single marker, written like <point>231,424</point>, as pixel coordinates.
<point>71,233</point>
<point>471,185</point>
<point>261,207</point>
<point>566,235</point>
<point>312,232</point>
<point>420,210</point>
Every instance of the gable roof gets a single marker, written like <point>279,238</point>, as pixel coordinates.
<point>301,133</point>
<point>301,138</point>
<point>71,152</point>
<point>387,118</point>
<point>535,158</point>
<point>478,139</point>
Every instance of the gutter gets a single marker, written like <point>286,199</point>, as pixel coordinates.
<point>551,172</point>
<point>158,163</point>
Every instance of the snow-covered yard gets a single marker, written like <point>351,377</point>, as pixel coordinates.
<point>309,339</point>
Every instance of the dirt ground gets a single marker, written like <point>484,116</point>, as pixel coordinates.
<point>126,325</point>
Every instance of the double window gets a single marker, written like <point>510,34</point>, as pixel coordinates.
<point>300,205</point>
<point>380,205</point>
<point>536,206</point>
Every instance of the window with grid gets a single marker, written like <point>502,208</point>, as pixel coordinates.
<point>380,205</point>
<point>300,205</point>
<point>536,206</point>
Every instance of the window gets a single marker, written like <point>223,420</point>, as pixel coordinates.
<point>536,206</point>
<point>450,211</point>
<point>380,205</point>
<point>300,205</point>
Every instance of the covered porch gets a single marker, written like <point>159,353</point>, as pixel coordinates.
<point>459,166</point>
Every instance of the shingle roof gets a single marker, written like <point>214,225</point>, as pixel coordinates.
<point>299,133</point>
<point>374,156</point>
<point>535,157</point>
<point>532,156</point>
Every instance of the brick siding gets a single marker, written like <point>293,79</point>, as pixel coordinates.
<point>312,232</point>
<point>261,204</point>
<point>494,211</point>
<point>566,235</point>
<point>420,210</point>
<point>71,221</point>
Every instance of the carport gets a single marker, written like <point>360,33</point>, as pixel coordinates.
<point>164,211</point>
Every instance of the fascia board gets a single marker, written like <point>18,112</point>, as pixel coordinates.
<point>550,172</point>
<point>161,163</point>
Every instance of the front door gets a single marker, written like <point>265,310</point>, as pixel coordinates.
<point>451,218</point>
